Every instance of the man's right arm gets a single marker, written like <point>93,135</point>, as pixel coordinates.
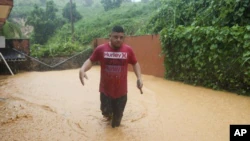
<point>85,67</point>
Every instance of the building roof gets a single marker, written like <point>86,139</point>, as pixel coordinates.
<point>10,55</point>
<point>5,9</point>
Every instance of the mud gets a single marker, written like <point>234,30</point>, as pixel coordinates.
<point>53,105</point>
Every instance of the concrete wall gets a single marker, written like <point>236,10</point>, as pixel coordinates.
<point>147,49</point>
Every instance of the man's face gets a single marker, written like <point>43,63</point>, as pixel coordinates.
<point>116,39</point>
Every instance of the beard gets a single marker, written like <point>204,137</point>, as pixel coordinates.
<point>116,46</point>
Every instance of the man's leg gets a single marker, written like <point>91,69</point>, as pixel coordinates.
<point>118,109</point>
<point>106,106</point>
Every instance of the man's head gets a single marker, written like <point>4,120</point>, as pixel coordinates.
<point>116,37</point>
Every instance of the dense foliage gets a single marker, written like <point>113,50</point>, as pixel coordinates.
<point>200,13</point>
<point>45,22</point>
<point>95,25</point>
<point>111,4</point>
<point>216,57</point>
<point>76,16</point>
<point>206,42</point>
<point>11,30</point>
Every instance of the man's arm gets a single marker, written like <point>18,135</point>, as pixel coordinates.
<point>137,70</point>
<point>85,67</point>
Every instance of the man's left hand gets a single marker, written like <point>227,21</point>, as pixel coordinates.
<point>139,84</point>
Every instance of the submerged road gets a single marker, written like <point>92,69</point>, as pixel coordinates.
<point>53,105</point>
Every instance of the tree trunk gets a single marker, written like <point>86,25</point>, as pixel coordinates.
<point>72,21</point>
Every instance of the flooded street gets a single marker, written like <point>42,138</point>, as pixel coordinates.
<point>50,106</point>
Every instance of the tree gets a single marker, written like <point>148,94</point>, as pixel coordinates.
<point>67,12</point>
<point>44,22</point>
<point>111,4</point>
<point>51,10</point>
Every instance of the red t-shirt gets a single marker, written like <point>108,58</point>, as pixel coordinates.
<point>114,67</point>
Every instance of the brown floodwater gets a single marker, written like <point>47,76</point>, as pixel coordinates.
<point>53,105</point>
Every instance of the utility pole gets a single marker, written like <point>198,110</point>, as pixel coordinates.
<point>72,21</point>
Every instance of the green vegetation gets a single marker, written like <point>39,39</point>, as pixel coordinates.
<point>67,12</point>
<point>111,4</point>
<point>22,8</point>
<point>45,22</point>
<point>11,30</point>
<point>206,42</point>
<point>52,36</point>
<point>215,57</point>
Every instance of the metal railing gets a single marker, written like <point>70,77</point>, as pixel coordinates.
<point>51,66</point>
<point>6,64</point>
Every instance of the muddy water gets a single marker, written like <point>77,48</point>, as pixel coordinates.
<point>49,106</point>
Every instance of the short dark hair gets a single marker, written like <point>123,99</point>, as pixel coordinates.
<point>117,28</point>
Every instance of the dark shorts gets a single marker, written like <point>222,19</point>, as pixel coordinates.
<point>113,107</point>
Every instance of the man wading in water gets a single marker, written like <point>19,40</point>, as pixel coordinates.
<point>114,58</point>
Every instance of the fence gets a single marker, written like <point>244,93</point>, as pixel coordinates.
<point>147,49</point>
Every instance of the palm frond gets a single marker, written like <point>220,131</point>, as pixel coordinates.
<point>11,30</point>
